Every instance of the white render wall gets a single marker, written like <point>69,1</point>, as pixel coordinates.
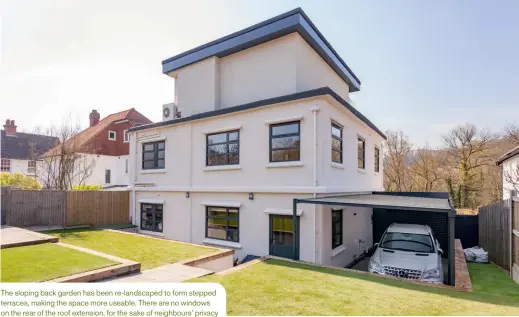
<point>279,67</point>
<point>116,164</point>
<point>509,166</point>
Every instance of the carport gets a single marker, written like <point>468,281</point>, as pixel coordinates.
<point>419,207</point>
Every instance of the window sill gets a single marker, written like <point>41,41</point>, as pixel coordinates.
<point>337,165</point>
<point>151,233</point>
<point>222,243</point>
<point>285,164</point>
<point>338,250</point>
<point>362,171</point>
<point>153,171</point>
<point>222,168</point>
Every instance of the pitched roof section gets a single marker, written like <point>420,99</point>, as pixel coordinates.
<point>82,139</point>
<point>281,25</point>
<point>508,155</point>
<point>26,146</point>
<point>266,102</point>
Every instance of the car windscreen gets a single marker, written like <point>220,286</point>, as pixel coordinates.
<point>407,242</point>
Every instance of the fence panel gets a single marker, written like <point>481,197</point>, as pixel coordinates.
<point>35,208</point>
<point>494,232</point>
<point>98,208</point>
<point>515,239</point>
<point>5,203</point>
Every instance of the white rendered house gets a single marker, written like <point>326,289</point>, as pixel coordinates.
<point>509,163</point>
<point>261,117</point>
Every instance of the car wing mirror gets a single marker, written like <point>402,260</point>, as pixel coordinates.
<point>440,251</point>
<point>376,244</point>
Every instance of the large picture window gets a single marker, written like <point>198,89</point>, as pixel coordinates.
<point>336,228</point>
<point>361,153</point>
<point>223,148</point>
<point>222,223</point>
<point>153,155</point>
<point>336,143</point>
<point>285,142</point>
<point>377,159</point>
<point>151,217</point>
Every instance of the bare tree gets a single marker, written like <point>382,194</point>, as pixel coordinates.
<point>396,167</point>
<point>511,176</point>
<point>427,166</point>
<point>467,150</point>
<point>69,163</point>
<point>512,133</point>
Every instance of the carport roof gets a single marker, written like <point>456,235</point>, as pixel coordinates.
<point>385,201</point>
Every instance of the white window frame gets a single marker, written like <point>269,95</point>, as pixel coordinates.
<point>31,169</point>
<point>126,136</point>
<point>115,136</point>
<point>8,165</point>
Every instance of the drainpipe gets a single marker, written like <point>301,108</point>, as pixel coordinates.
<point>315,109</point>
<point>134,181</point>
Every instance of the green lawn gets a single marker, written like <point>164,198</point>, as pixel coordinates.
<point>284,288</point>
<point>148,251</point>
<point>47,261</point>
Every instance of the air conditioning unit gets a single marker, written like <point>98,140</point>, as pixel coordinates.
<point>170,111</point>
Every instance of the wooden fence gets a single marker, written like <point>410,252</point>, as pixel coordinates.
<point>515,239</point>
<point>26,208</point>
<point>495,233</point>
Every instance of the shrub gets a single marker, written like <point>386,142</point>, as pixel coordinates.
<point>19,180</point>
<point>87,187</point>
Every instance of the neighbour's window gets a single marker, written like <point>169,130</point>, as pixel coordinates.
<point>151,217</point>
<point>111,135</point>
<point>153,155</point>
<point>222,223</point>
<point>336,228</point>
<point>336,143</point>
<point>107,176</point>
<point>377,159</point>
<point>126,136</point>
<point>285,142</point>
<point>31,167</point>
<point>361,153</point>
<point>223,148</point>
<point>5,165</point>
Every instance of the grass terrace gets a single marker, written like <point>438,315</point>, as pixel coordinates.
<point>276,287</point>
<point>150,252</point>
<point>43,262</point>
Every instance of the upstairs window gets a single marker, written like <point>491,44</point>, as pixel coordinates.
<point>153,155</point>
<point>223,148</point>
<point>111,135</point>
<point>285,142</point>
<point>5,165</point>
<point>377,159</point>
<point>222,223</point>
<point>361,153</point>
<point>126,136</point>
<point>336,143</point>
<point>31,167</point>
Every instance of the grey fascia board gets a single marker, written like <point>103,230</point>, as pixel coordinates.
<point>270,101</point>
<point>264,32</point>
<point>312,202</point>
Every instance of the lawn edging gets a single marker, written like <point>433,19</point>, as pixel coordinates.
<point>124,267</point>
<point>219,261</point>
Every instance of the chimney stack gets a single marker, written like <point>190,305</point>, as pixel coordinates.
<point>94,118</point>
<point>10,127</point>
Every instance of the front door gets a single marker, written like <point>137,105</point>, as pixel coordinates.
<point>281,237</point>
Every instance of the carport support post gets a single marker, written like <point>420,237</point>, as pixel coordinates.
<point>452,252</point>
<point>294,229</point>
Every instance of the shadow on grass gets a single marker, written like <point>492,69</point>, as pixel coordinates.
<point>72,232</point>
<point>490,293</point>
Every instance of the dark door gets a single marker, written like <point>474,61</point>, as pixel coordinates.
<point>281,237</point>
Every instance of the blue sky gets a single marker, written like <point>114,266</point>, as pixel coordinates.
<point>425,66</point>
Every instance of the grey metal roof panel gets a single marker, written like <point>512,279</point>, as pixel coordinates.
<point>386,201</point>
<point>281,25</point>
<point>266,102</point>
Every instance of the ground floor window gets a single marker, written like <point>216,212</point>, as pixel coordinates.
<point>336,228</point>
<point>283,230</point>
<point>222,223</point>
<point>151,217</point>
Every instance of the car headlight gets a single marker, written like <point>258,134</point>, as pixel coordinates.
<point>431,274</point>
<point>375,267</point>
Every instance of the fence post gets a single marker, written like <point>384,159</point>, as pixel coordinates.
<point>511,236</point>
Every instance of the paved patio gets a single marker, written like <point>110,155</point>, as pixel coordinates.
<point>16,237</point>
<point>169,273</point>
